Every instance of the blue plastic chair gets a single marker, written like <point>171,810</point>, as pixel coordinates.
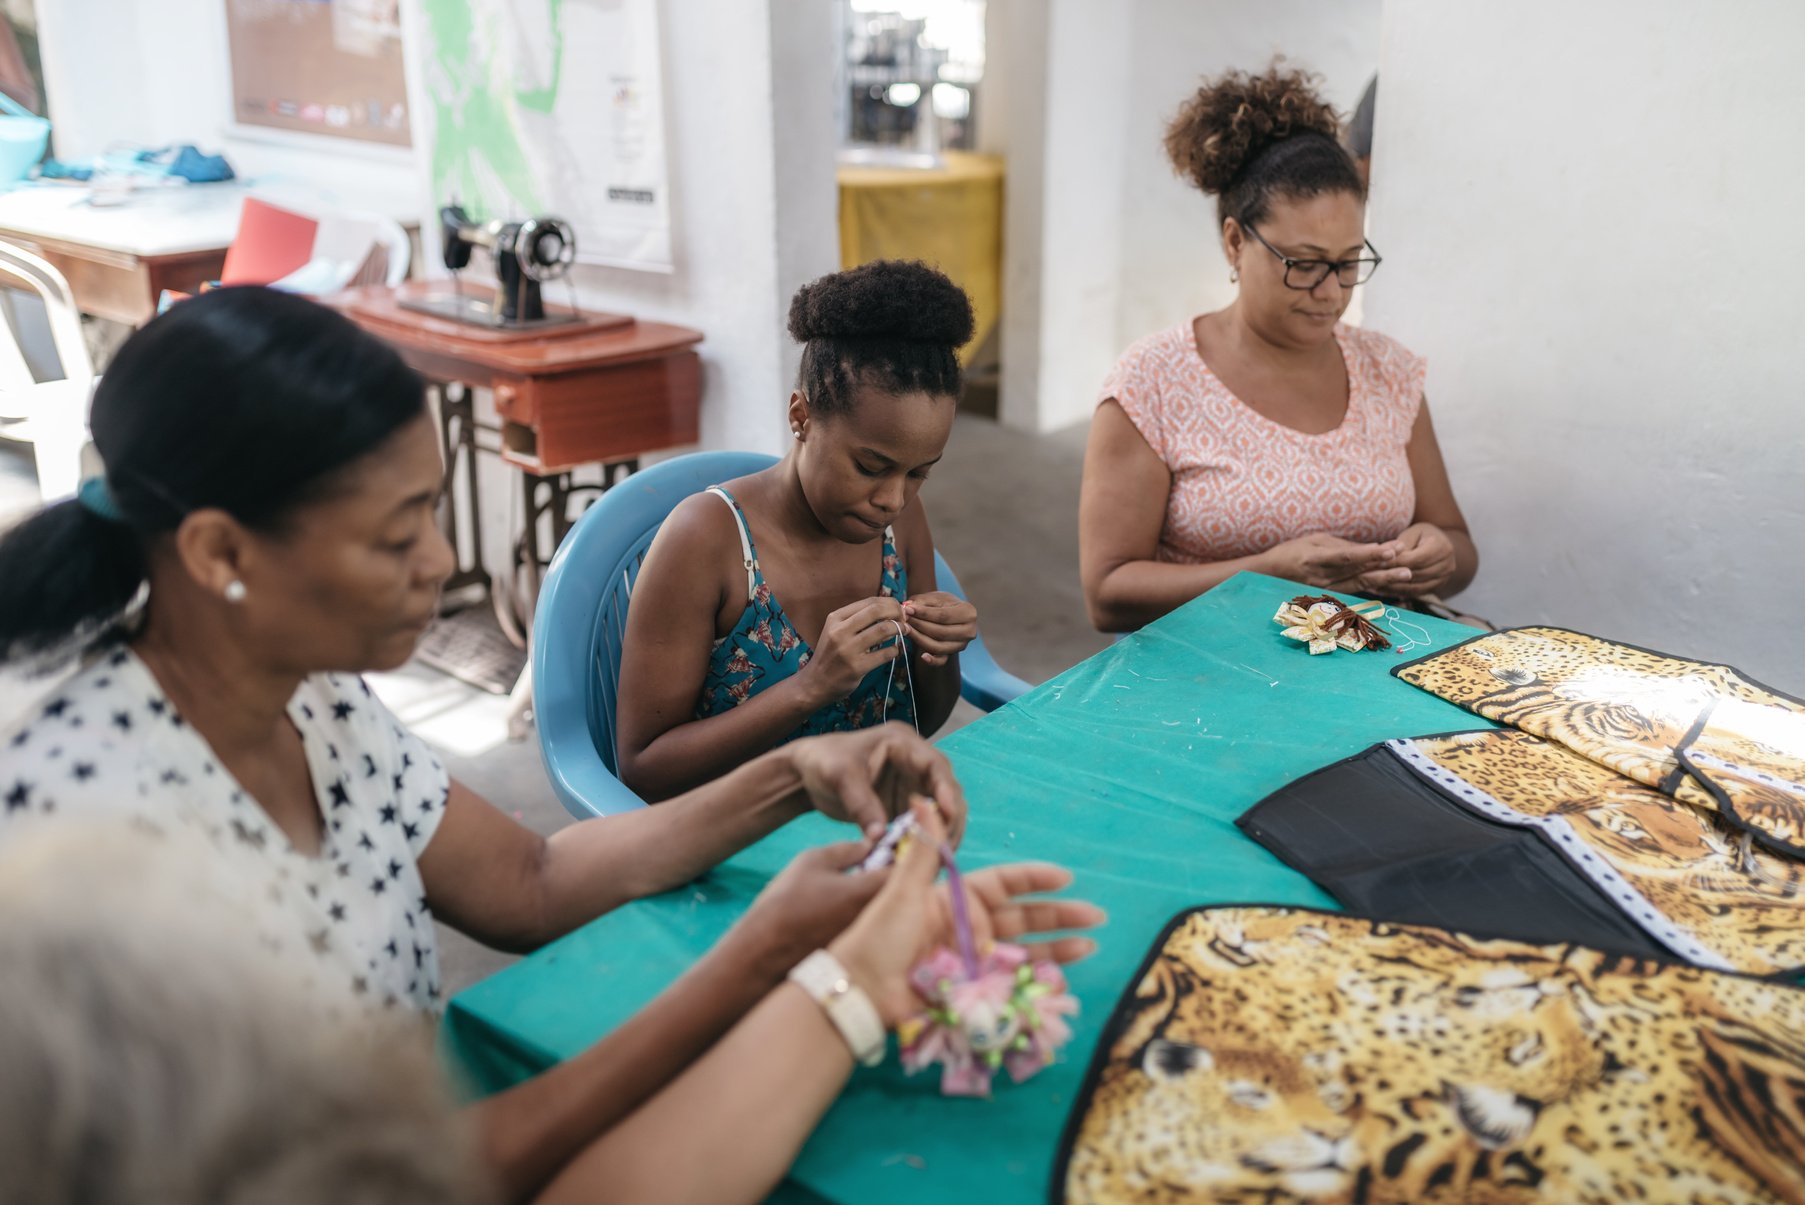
<point>581,622</point>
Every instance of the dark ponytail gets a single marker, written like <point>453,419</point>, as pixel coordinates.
<point>247,400</point>
<point>64,574</point>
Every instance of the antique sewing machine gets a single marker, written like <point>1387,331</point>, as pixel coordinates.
<point>526,255</point>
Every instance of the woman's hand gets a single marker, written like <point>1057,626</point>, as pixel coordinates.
<point>998,913</point>
<point>910,917</point>
<point>1324,560</point>
<point>812,901</point>
<point>855,640</point>
<point>1428,553</point>
<point>941,624</point>
<point>868,777</point>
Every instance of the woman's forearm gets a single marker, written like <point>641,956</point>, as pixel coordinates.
<point>1466,561</point>
<point>936,692</point>
<point>597,865</point>
<point>696,751</point>
<point>1135,593</point>
<point>531,1131</point>
<point>728,1129</point>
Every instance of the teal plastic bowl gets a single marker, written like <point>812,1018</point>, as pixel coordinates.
<point>23,137</point>
<point>22,142</point>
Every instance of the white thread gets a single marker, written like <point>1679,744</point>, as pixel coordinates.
<point>902,655</point>
<point>1404,643</point>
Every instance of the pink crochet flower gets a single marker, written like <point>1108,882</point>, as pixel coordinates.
<point>1010,1016</point>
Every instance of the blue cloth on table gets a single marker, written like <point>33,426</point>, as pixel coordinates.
<point>183,162</point>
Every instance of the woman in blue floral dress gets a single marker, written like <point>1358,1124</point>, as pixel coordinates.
<point>801,600</point>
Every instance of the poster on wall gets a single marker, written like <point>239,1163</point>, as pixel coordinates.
<point>330,67</point>
<point>550,107</point>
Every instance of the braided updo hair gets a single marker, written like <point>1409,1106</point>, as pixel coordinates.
<point>896,325</point>
<point>1247,139</point>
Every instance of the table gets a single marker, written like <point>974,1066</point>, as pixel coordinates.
<point>118,259</point>
<point>1130,768</point>
<point>950,216</point>
<point>604,390</point>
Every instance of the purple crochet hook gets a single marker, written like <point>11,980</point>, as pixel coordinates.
<point>961,914</point>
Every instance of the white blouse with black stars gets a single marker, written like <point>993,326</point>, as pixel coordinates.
<point>109,743</point>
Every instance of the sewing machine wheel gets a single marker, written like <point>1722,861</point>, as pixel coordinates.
<point>545,248</point>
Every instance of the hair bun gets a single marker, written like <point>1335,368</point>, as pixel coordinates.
<point>1230,120</point>
<point>887,299</point>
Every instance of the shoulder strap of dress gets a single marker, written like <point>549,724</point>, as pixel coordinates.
<point>739,519</point>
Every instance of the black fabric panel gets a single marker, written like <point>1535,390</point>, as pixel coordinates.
<point>1385,843</point>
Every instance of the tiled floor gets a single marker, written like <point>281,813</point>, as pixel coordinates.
<point>1004,512</point>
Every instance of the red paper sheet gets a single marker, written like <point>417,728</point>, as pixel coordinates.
<point>271,243</point>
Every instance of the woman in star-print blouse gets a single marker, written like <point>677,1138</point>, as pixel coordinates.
<point>263,533</point>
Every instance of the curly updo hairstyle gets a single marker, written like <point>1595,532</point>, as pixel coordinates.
<point>894,325</point>
<point>1247,139</point>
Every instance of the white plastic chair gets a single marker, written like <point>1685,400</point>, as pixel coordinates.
<point>51,415</point>
<point>392,237</point>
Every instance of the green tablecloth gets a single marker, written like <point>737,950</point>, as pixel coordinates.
<point>1129,768</point>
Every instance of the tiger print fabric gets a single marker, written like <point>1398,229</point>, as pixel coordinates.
<point>1697,886</point>
<point>1701,733</point>
<point>1279,1055</point>
<point>1750,756</point>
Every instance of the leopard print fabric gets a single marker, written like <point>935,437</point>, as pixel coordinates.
<point>1636,712</point>
<point>1276,1055</point>
<point>1716,897</point>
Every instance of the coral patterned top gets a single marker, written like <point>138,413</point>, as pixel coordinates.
<point>1242,483</point>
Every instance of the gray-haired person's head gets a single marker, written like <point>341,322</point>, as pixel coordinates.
<point>152,1048</point>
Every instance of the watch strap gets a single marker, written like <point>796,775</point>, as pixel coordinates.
<point>845,1003</point>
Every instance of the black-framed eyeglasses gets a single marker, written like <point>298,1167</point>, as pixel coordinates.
<point>1305,274</point>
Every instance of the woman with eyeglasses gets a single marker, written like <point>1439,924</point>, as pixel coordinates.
<point>1268,436</point>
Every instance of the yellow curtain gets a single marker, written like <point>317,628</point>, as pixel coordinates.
<point>949,216</point>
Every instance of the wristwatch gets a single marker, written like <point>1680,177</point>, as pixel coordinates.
<point>844,1002</point>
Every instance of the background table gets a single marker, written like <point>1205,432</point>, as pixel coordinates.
<point>951,216</point>
<point>1130,768</point>
<point>118,259</point>
<point>592,393</point>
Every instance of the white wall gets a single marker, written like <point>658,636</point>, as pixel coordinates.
<point>1586,213</point>
<point>1054,78</point>
<point>1172,262</point>
<point>1102,243</point>
<point>1011,122</point>
<point>750,140</point>
<point>749,125</point>
<point>126,72</point>
<point>1082,274</point>
<point>750,137</point>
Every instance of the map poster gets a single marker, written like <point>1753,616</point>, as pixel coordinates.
<point>531,108</point>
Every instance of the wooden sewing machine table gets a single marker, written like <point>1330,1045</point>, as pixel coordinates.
<point>604,389</point>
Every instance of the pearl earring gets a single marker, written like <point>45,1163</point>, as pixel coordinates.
<point>1234,276</point>
<point>796,431</point>
<point>235,591</point>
